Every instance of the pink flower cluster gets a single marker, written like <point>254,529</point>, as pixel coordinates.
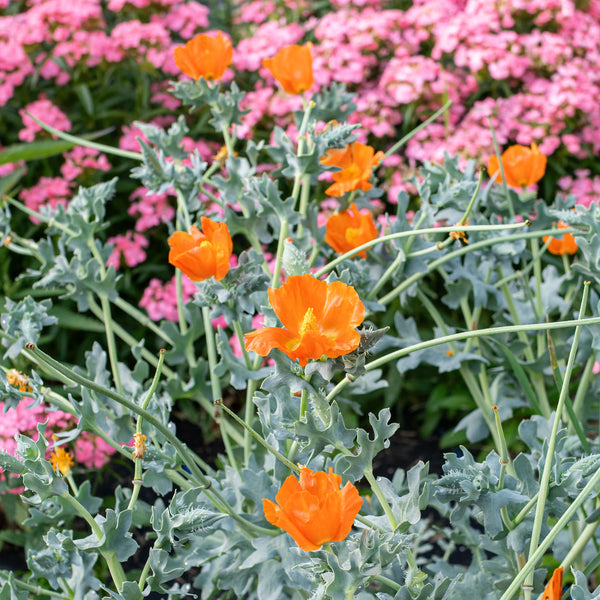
<point>45,111</point>
<point>160,299</point>
<point>82,160</point>
<point>129,246</point>
<point>89,450</point>
<point>531,66</point>
<point>48,192</point>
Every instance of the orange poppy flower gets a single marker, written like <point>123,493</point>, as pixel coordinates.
<point>565,244</point>
<point>292,67</point>
<point>553,590</point>
<point>522,166</point>
<point>349,229</point>
<point>356,162</point>
<point>202,254</point>
<point>314,510</point>
<point>204,56</point>
<point>318,319</point>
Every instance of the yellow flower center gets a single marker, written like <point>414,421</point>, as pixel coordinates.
<point>352,235</point>
<point>309,322</point>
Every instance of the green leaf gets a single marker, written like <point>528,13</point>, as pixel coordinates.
<point>42,148</point>
<point>85,97</point>
<point>115,535</point>
<point>73,320</point>
<point>34,150</point>
<point>353,466</point>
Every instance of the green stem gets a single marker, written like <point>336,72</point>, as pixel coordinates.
<point>228,141</point>
<point>583,386</point>
<point>142,318</point>
<point>416,130</point>
<point>575,553</point>
<point>400,258</point>
<point>279,256</point>
<point>511,210</point>
<point>384,503</point>
<point>108,320</point>
<point>534,559</point>
<point>36,590</point>
<point>544,482</point>
<point>114,566</point>
<point>537,379</point>
<point>477,392</point>
<point>137,477</point>
<point>129,339</point>
<point>215,382</point>
<point>70,377</point>
<point>144,574</point>
<point>434,264</point>
<point>430,230</point>
<point>304,197</point>
<point>261,440</point>
<point>387,581</point>
<point>240,336</point>
<point>464,335</point>
<point>79,141</point>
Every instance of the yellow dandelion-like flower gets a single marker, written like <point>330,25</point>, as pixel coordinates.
<point>62,460</point>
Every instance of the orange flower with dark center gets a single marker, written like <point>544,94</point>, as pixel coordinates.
<point>349,229</point>
<point>522,166</point>
<point>204,56</point>
<point>319,319</point>
<point>565,244</point>
<point>314,510</point>
<point>553,590</point>
<point>356,162</point>
<point>292,67</point>
<point>202,254</point>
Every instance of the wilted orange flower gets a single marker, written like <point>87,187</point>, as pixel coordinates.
<point>565,244</point>
<point>292,67</point>
<point>553,590</point>
<point>18,380</point>
<point>349,229</point>
<point>318,319</point>
<point>356,162</point>
<point>522,166</point>
<point>202,254</point>
<point>61,460</point>
<point>139,445</point>
<point>314,510</point>
<point>204,56</point>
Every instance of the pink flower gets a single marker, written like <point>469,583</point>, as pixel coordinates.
<point>80,159</point>
<point>48,192</point>
<point>150,210</point>
<point>92,451</point>
<point>130,246</point>
<point>160,299</point>
<point>45,111</point>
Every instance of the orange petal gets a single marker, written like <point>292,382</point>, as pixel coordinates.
<point>299,293</point>
<point>198,263</point>
<point>262,341</point>
<point>553,590</point>
<point>325,516</point>
<point>351,505</point>
<point>343,310</point>
<point>277,517</point>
